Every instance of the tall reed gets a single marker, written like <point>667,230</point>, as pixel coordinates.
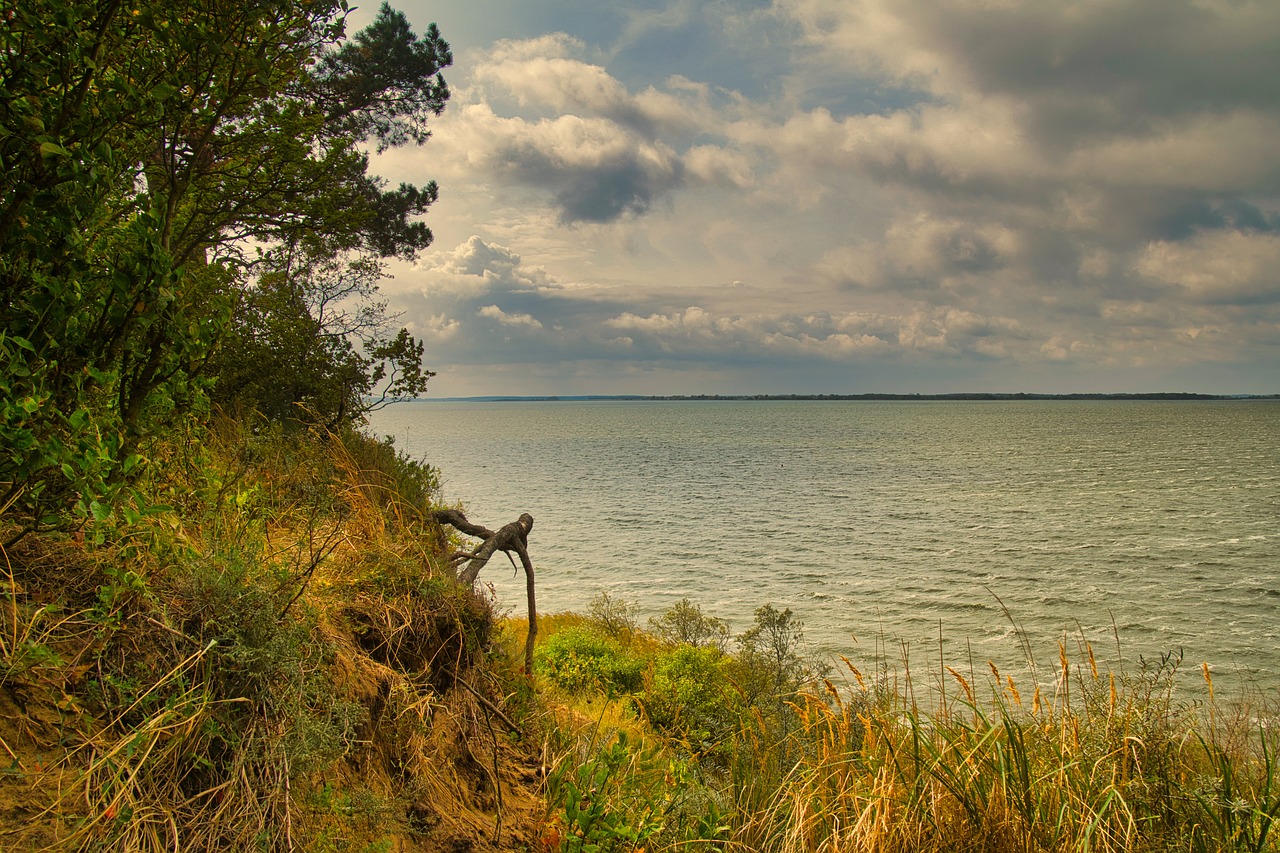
<point>1090,761</point>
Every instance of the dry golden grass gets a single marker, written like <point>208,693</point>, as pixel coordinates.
<point>1100,763</point>
<point>265,659</point>
<point>1084,760</point>
<point>270,657</point>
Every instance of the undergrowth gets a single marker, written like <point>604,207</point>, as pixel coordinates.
<point>762,750</point>
<point>264,650</point>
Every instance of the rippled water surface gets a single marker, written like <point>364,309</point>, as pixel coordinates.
<point>882,524</point>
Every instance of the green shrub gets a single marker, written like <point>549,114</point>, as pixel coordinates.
<point>686,624</point>
<point>267,668</point>
<point>628,796</point>
<point>578,659</point>
<point>615,617</point>
<point>688,695</point>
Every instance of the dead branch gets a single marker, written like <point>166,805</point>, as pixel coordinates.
<point>508,538</point>
<point>494,709</point>
<point>458,521</point>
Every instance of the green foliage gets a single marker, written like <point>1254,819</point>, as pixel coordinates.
<point>685,623</point>
<point>627,796</point>
<point>615,617</point>
<point>689,696</point>
<point>272,666</point>
<point>1241,803</point>
<point>311,343</point>
<point>578,659</point>
<point>152,167</point>
<point>771,655</point>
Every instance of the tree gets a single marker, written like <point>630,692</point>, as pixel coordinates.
<point>685,624</point>
<point>156,162</point>
<point>773,668</point>
<point>316,344</point>
<point>615,616</point>
<point>773,646</point>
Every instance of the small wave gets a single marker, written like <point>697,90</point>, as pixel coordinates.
<point>970,605</point>
<point>1008,633</point>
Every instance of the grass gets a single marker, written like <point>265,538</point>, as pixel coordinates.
<point>263,653</point>
<point>267,651</point>
<point>1088,760</point>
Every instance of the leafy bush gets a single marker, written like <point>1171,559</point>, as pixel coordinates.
<point>627,796</point>
<point>685,623</point>
<point>688,695</point>
<point>578,659</point>
<point>265,666</point>
<point>615,617</point>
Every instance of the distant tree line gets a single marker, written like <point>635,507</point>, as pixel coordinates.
<point>966,395</point>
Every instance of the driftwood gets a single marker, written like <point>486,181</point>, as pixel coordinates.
<point>508,538</point>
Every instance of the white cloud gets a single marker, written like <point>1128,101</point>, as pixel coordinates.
<point>436,328</point>
<point>719,166</point>
<point>994,184</point>
<point>1218,266</point>
<point>493,312</point>
<point>543,73</point>
<point>476,268</point>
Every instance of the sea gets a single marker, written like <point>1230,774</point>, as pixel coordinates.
<point>924,533</point>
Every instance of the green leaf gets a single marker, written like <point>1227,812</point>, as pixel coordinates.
<point>99,512</point>
<point>52,149</point>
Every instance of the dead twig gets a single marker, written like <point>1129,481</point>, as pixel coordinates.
<point>506,721</point>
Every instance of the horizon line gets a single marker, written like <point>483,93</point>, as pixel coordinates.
<point>868,396</point>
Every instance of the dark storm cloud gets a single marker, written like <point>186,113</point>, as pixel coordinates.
<point>1184,220</point>
<point>610,192</point>
<point>1115,67</point>
<point>968,252</point>
<point>601,151</point>
<point>595,170</point>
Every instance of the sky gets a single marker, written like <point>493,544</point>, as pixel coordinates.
<point>849,196</point>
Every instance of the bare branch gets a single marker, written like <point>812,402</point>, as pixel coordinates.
<point>508,538</point>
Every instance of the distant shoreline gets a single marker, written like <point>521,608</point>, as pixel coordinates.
<point>961,396</point>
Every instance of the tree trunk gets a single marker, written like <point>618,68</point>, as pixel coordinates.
<point>508,538</point>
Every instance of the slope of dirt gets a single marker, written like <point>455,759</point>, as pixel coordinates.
<point>159,722</point>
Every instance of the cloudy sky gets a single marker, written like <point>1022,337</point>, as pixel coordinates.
<point>673,196</point>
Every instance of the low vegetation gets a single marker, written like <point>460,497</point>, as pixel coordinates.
<point>760,749</point>
<point>277,658</point>
<point>267,650</point>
